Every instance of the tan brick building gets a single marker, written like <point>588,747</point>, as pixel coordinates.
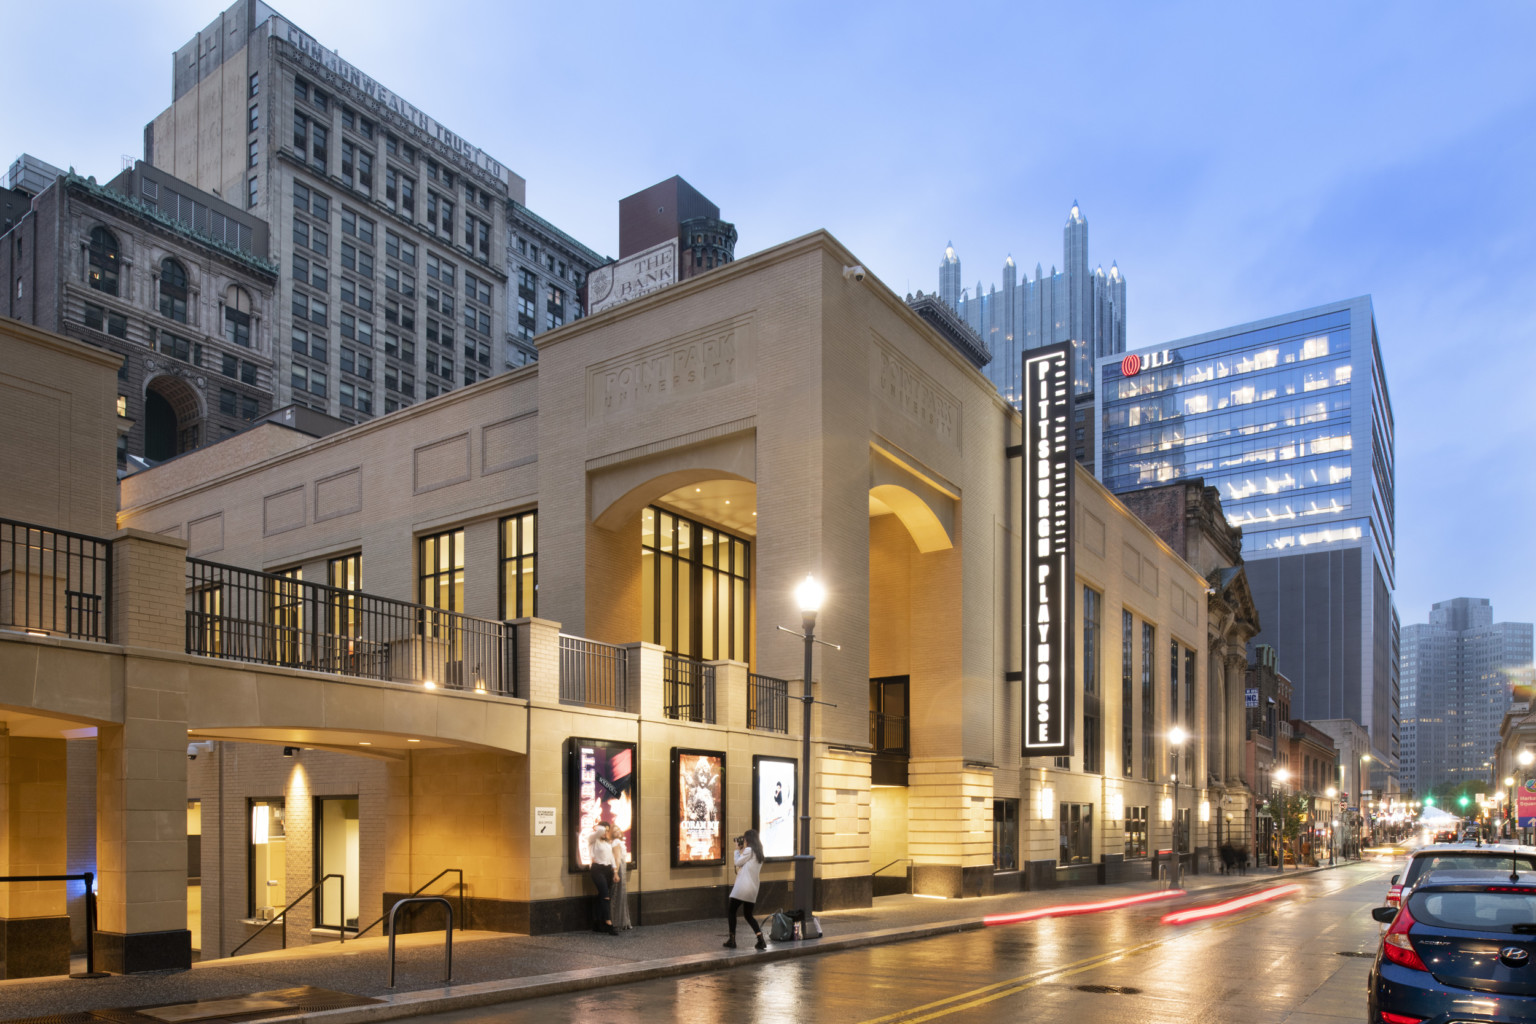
<point>571,578</point>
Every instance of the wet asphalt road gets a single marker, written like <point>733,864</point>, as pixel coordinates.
<point>1294,960</point>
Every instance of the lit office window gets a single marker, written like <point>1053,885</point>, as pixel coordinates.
<point>519,566</point>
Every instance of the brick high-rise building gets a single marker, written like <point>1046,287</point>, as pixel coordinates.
<point>391,229</point>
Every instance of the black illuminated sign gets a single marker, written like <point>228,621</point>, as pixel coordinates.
<point>1048,577</point>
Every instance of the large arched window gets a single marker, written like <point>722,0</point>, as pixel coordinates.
<point>103,261</point>
<point>237,316</point>
<point>173,290</point>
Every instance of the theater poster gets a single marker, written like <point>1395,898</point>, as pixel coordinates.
<point>698,807</point>
<point>773,804</point>
<point>601,785</point>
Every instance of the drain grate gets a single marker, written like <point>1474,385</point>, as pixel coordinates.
<point>1117,990</point>
<point>1350,952</point>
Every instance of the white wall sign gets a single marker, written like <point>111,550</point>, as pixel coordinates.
<point>543,821</point>
<point>632,277</point>
<point>1047,571</point>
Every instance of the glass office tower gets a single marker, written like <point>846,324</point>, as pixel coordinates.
<point>1290,419</point>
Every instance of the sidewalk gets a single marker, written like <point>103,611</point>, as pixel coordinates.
<point>327,982</point>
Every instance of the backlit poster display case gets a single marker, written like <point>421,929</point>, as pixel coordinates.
<point>698,807</point>
<point>773,804</point>
<point>601,784</point>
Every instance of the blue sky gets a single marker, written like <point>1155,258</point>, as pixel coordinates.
<point>1237,160</point>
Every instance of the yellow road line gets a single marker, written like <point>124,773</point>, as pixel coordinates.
<point>999,990</point>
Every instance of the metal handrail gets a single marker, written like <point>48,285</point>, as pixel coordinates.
<point>448,933</point>
<point>440,874</point>
<point>283,914</point>
<point>688,688</point>
<point>593,674</point>
<point>892,864</point>
<point>56,582</point>
<point>767,703</point>
<point>89,878</point>
<point>269,619</point>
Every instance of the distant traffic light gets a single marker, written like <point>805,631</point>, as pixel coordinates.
<point>1464,800</point>
<point>1429,801</point>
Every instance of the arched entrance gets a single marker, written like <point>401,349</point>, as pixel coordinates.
<point>173,418</point>
<point>914,598</point>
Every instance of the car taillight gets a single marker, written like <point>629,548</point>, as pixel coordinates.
<point>1397,947</point>
<point>1399,1018</point>
<point>1394,895</point>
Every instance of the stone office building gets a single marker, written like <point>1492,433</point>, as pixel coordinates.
<point>454,638</point>
<point>546,277</point>
<point>174,280</point>
<point>391,229</point>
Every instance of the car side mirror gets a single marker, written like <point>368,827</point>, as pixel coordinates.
<point>1384,914</point>
<point>1395,879</point>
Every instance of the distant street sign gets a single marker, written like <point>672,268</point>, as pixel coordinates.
<point>1252,698</point>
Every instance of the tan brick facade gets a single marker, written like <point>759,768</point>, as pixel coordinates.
<point>872,455</point>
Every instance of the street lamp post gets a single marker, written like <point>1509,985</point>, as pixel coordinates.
<point>1283,775</point>
<point>808,595</point>
<point>1176,738</point>
<point>1360,799</point>
<point>1333,831</point>
<point>1525,758</point>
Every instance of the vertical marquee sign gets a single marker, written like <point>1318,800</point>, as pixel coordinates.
<point>1048,577</point>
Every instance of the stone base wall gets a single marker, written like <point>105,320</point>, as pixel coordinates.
<point>34,947</point>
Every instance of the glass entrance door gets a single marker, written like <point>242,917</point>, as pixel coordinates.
<point>337,853</point>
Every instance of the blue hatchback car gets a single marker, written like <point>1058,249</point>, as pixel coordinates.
<point>1461,948</point>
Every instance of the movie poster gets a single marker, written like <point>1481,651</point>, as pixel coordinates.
<point>600,786</point>
<point>773,805</point>
<point>698,807</point>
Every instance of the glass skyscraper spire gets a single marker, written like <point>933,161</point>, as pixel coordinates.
<point>1069,304</point>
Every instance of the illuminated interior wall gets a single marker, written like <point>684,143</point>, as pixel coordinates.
<point>888,830</point>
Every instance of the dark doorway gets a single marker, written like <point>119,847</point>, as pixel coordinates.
<point>159,428</point>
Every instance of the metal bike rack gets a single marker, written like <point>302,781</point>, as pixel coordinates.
<point>447,934</point>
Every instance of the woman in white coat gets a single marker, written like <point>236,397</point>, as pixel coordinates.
<point>749,865</point>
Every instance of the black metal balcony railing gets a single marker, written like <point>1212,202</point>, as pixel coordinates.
<point>54,581</point>
<point>767,703</point>
<point>259,617</point>
<point>593,674</point>
<point>688,689</point>
<point>888,733</point>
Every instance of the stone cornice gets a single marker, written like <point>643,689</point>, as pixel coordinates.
<point>133,206</point>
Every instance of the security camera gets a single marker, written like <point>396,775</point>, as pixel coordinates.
<point>853,273</point>
<point>193,749</point>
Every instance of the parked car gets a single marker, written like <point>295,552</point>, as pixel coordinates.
<point>1460,948</point>
<point>1459,857</point>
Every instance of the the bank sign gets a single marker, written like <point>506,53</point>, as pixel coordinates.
<point>1047,569</point>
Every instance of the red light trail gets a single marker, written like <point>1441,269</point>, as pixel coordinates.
<point>1068,909</point>
<point>1230,906</point>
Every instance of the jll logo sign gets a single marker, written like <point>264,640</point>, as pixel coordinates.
<point>1133,364</point>
<point>1047,569</point>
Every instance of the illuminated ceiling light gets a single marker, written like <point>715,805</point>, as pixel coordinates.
<point>429,684</point>
<point>364,743</point>
<point>413,741</point>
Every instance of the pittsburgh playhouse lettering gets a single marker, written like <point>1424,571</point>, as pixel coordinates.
<point>1048,416</point>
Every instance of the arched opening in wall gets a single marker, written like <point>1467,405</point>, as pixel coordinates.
<point>914,633</point>
<point>173,418</point>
